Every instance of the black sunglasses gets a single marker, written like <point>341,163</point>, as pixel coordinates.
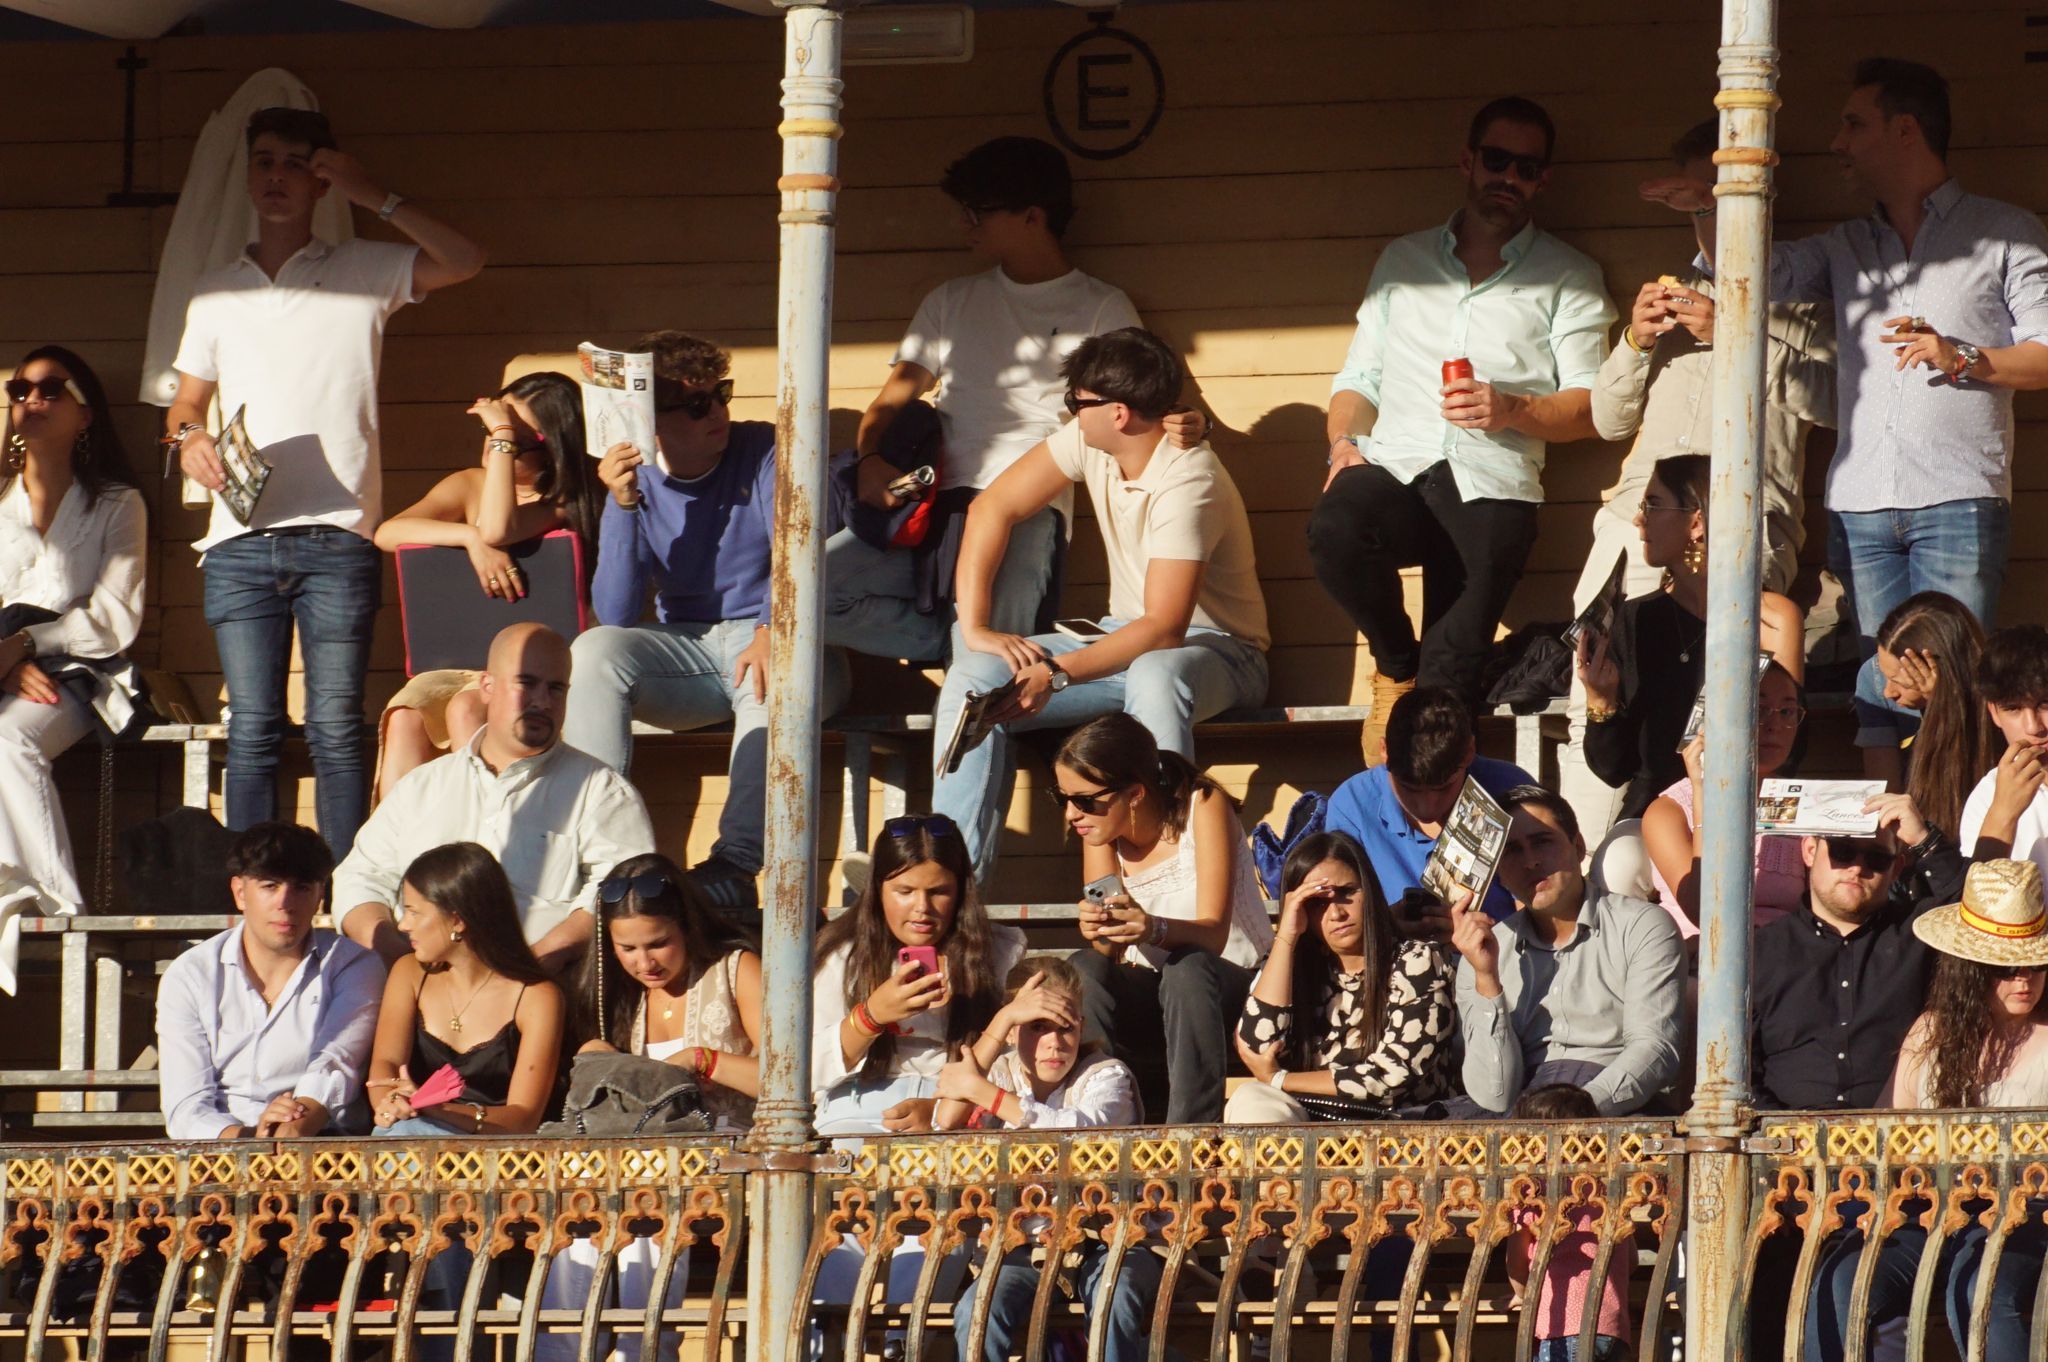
<point>1847,851</point>
<point>50,389</point>
<point>1092,802</point>
<point>1075,404</point>
<point>651,885</point>
<point>695,403</point>
<point>2017,971</point>
<point>1528,169</point>
<point>937,824</point>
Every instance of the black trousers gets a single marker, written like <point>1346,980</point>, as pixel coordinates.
<point>1171,1025</point>
<point>1369,526</point>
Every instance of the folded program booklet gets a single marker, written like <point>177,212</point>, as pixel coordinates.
<point>1468,852</point>
<point>973,724</point>
<point>1817,808</point>
<point>243,469</point>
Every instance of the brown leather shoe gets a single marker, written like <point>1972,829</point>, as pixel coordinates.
<point>1372,739</point>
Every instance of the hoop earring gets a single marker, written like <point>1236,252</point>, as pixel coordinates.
<point>455,935</point>
<point>1695,557</point>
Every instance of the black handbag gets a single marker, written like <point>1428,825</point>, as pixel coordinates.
<point>611,1094</point>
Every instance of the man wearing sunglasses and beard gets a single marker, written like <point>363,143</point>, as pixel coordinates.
<point>1444,471</point>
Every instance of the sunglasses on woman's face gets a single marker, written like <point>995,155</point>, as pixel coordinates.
<point>1094,803</point>
<point>695,403</point>
<point>49,389</point>
<point>2017,971</point>
<point>651,885</point>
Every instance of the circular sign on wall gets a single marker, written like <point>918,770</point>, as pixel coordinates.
<point>1104,93</point>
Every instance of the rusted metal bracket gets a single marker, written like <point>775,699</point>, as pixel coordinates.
<point>826,1161</point>
<point>1716,1144</point>
<point>1770,1144</point>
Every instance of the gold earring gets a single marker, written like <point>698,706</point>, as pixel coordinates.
<point>1695,556</point>
<point>16,457</point>
<point>455,935</point>
<point>82,446</point>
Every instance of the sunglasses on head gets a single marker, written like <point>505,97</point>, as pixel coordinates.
<point>1093,802</point>
<point>695,403</point>
<point>49,389</point>
<point>1872,856</point>
<point>651,885</point>
<point>1076,403</point>
<point>936,824</point>
<point>1528,169</point>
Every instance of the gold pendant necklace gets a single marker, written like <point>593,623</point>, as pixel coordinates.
<point>455,1018</point>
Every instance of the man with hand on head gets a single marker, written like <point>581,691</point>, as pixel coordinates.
<point>293,331</point>
<point>1576,987</point>
<point>556,818</point>
<point>265,1029</point>
<point>1443,471</point>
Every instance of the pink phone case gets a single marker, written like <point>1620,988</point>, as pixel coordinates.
<point>926,957</point>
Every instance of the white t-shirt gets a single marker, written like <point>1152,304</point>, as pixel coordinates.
<point>1183,507</point>
<point>996,347</point>
<point>301,352</point>
<point>2030,835</point>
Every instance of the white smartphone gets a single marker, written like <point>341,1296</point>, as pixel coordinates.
<point>1085,630</point>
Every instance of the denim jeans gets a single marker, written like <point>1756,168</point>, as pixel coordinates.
<point>1016,1288</point>
<point>329,583</point>
<point>871,593</point>
<point>1168,690</point>
<point>676,676</point>
<point>1606,1348</point>
<point>1882,557</point>
<point>1891,1287</point>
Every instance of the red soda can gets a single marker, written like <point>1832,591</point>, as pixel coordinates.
<point>1455,369</point>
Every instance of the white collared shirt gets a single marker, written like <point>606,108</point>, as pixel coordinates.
<point>557,822</point>
<point>301,352</point>
<point>224,1053</point>
<point>88,567</point>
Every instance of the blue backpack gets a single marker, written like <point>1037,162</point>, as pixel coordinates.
<point>1269,849</point>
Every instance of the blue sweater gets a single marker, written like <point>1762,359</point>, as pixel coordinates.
<point>704,544</point>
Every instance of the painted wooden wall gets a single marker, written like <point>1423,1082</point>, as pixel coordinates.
<point>622,177</point>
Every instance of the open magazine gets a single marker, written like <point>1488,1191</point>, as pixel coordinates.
<point>618,402</point>
<point>1817,808</point>
<point>1597,618</point>
<point>973,726</point>
<point>244,470</point>
<point>1698,718</point>
<point>1467,854</point>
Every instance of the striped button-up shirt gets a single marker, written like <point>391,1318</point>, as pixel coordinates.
<point>1536,326</point>
<point>1978,272</point>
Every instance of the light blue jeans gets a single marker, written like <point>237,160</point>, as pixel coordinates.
<point>1882,557</point>
<point>871,593</point>
<point>1169,690</point>
<point>680,676</point>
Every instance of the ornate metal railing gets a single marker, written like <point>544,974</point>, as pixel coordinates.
<point>1258,1232</point>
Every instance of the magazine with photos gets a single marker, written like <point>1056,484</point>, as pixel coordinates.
<point>1698,718</point>
<point>973,726</point>
<point>1817,808</point>
<point>1597,619</point>
<point>244,470</point>
<point>1468,852</point>
<point>618,402</point>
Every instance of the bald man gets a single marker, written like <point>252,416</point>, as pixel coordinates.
<point>558,819</point>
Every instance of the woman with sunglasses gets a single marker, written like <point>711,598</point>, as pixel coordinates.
<point>533,478</point>
<point>74,542</point>
<point>1340,1011</point>
<point>1178,923</point>
<point>1672,835</point>
<point>1980,1043</point>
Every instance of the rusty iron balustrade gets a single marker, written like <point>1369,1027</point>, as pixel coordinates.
<point>1289,1212</point>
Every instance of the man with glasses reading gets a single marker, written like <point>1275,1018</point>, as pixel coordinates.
<point>694,521</point>
<point>1430,468</point>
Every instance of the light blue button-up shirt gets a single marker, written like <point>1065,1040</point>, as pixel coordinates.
<point>1537,326</point>
<point>1978,273</point>
<point>224,1054</point>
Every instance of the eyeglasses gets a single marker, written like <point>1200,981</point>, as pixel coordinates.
<point>1658,508</point>
<point>1528,169</point>
<point>1790,715</point>
<point>695,403</point>
<point>49,389</point>
<point>2017,971</point>
<point>1874,857</point>
<point>1075,404</point>
<point>910,824</point>
<point>651,885</point>
<point>1093,802</point>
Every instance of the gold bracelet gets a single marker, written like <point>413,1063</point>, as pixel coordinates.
<point>1600,714</point>
<point>1628,336</point>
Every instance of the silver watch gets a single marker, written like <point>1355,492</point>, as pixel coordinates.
<point>1972,356</point>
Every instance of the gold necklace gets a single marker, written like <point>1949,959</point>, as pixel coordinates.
<point>455,1018</point>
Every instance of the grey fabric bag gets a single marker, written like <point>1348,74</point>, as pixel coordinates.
<point>624,1095</point>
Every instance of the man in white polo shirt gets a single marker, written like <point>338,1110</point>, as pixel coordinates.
<point>1185,636</point>
<point>291,335</point>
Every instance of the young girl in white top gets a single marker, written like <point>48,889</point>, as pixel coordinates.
<point>1173,943</point>
<point>1030,1069</point>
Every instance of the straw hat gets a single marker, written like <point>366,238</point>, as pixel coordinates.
<point>2001,920</point>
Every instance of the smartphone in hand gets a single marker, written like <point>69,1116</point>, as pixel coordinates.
<point>926,958</point>
<point>1099,892</point>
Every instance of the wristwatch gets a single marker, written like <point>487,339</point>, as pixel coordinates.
<point>391,203</point>
<point>1058,680</point>
<point>1970,356</point>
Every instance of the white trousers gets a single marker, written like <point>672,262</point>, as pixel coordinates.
<point>36,872</point>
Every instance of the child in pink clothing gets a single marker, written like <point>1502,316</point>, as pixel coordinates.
<point>1561,1306</point>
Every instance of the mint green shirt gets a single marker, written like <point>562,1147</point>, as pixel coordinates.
<point>1538,326</point>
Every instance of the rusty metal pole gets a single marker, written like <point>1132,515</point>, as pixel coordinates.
<point>1721,1115</point>
<point>782,1138</point>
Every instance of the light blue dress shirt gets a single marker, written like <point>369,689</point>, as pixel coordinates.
<point>224,1055</point>
<point>1978,273</point>
<point>1537,326</point>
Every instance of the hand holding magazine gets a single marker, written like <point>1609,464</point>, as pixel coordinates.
<point>244,470</point>
<point>1468,852</point>
<point>618,402</point>
<point>1817,808</point>
<point>974,725</point>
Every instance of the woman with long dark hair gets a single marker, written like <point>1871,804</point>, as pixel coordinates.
<point>1981,1042</point>
<point>471,995</point>
<point>74,545</point>
<point>1173,915</point>
<point>534,478</point>
<point>1927,652</point>
<point>1340,1009</point>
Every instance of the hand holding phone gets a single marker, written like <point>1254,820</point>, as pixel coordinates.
<point>1100,892</point>
<point>926,958</point>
